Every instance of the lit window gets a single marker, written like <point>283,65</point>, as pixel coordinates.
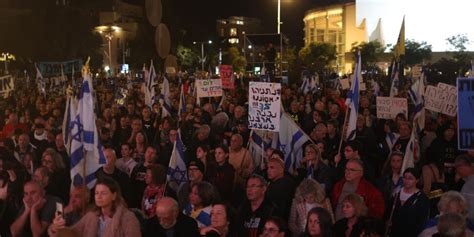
<point>234,40</point>
<point>240,22</point>
<point>233,32</point>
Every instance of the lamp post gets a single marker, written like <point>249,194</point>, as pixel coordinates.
<point>279,17</point>
<point>108,32</point>
<point>5,56</point>
<point>202,51</point>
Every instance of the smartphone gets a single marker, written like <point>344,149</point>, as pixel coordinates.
<point>59,209</point>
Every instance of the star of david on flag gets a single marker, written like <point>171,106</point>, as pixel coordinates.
<point>177,172</point>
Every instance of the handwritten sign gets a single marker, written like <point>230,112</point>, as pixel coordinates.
<point>389,107</point>
<point>345,83</point>
<point>227,76</point>
<point>441,99</point>
<point>264,106</point>
<point>6,84</point>
<point>465,113</point>
<point>209,88</point>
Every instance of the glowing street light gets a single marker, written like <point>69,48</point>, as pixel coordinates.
<point>108,33</point>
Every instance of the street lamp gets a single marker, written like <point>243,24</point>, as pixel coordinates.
<point>203,59</point>
<point>279,17</point>
<point>108,32</point>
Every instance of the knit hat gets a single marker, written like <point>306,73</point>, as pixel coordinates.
<point>198,164</point>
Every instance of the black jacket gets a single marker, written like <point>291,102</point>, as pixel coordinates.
<point>185,227</point>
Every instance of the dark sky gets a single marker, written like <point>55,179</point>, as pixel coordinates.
<point>198,17</point>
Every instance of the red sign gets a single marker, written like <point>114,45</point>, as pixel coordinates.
<point>227,76</point>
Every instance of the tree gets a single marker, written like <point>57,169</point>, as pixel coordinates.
<point>370,53</point>
<point>416,52</point>
<point>318,56</point>
<point>461,57</point>
<point>234,58</point>
<point>187,58</point>
<point>142,48</point>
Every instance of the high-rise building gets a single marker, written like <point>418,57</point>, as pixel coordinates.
<point>335,24</point>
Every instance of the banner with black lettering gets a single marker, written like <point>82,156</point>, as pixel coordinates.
<point>49,69</point>
<point>6,84</point>
<point>264,106</point>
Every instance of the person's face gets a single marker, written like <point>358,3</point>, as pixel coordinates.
<point>313,225</point>
<point>353,172</point>
<point>409,181</point>
<point>150,154</point>
<point>59,141</point>
<point>103,196</point>
<point>360,123</point>
<point>47,162</point>
<point>31,194</point>
<point>349,153</point>
<point>123,122</point>
<point>166,216</point>
<point>40,178</point>
<point>148,177</point>
<point>454,207</point>
<point>238,112</point>
<point>462,169</point>
<point>270,229</point>
<point>348,209</point>
<point>310,198</point>
<point>255,189</point>
<point>310,154</point>
<point>77,199</point>
<point>125,150</point>
<point>194,197</point>
<point>294,106</point>
<point>220,155</point>
<point>274,170</point>
<point>396,162</point>
<point>146,113</point>
<point>139,138</point>
<point>136,125</point>
<point>200,153</point>
<point>404,131</point>
<point>23,141</point>
<point>219,216</point>
<point>449,134</point>
<point>110,157</point>
<point>235,142</point>
<point>194,174</point>
<point>173,134</point>
<point>331,129</point>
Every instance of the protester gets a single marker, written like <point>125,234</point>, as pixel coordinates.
<point>221,222</point>
<point>274,227</point>
<point>465,169</point>
<point>222,174</point>
<point>319,223</point>
<point>200,199</point>
<point>354,210</point>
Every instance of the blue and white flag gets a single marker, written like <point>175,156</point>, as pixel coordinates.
<point>165,99</point>
<point>177,172</point>
<point>412,152</point>
<point>290,142</point>
<point>182,102</point>
<point>391,138</point>
<point>150,77</point>
<point>69,117</point>
<point>40,82</point>
<point>259,141</point>
<point>416,93</point>
<point>86,151</point>
<point>394,78</point>
<point>352,102</point>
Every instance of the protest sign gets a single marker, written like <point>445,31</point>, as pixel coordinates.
<point>6,84</point>
<point>227,76</point>
<point>209,88</point>
<point>465,88</point>
<point>264,106</point>
<point>54,68</point>
<point>345,84</point>
<point>389,107</point>
<point>441,99</point>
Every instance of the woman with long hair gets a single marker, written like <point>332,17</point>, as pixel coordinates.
<point>221,173</point>
<point>109,217</point>
<point>410,207</point>
<point>318,224</point>
<point>59,183</point>
<point>308,195</point>
<point>202,154</point>
<point>155,179</point>
<point>391,181</point>
<point>222,218</point>
<point>139,144</point>
<point>354,210</point>
<point>202,195</point>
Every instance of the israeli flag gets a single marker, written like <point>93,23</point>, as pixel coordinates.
<point>352,102</point>
<point>416,93</point>
<point>150,77</point>
<point>177,172</point>
<point>69,116</point>
<point>395,79</point>
<point>165,99</point>
<point>182,102</point>
<point>86,151</point>
<point>291,141</point>
<point>40,82</point>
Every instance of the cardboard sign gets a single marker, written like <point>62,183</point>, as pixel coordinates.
<point>54,68</point>
<point>441,99</point>
<point>465,108</point>
<point>389,107</point>
<point>6,84</point>
<point>264,106</point>
<point>209,88</point>
<point>227,76</point>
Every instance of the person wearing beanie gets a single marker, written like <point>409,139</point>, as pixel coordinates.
<point>195,175</point>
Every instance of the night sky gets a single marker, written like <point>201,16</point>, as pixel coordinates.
<point>195,20</point>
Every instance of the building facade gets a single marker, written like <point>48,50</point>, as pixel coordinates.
<point>336,24</point>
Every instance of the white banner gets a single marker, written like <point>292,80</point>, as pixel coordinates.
<point>389,107</point>
<point>209,88</point>
<point>264,106</point>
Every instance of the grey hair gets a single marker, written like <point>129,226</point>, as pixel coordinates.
<point>309,186</point>
<point>452,197</point>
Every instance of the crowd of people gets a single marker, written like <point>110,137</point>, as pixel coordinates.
<point>340,188</point>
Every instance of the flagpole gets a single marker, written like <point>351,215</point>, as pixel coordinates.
<point>343,135</point>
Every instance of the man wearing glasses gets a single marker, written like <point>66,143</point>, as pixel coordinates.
<point>353,182</point>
